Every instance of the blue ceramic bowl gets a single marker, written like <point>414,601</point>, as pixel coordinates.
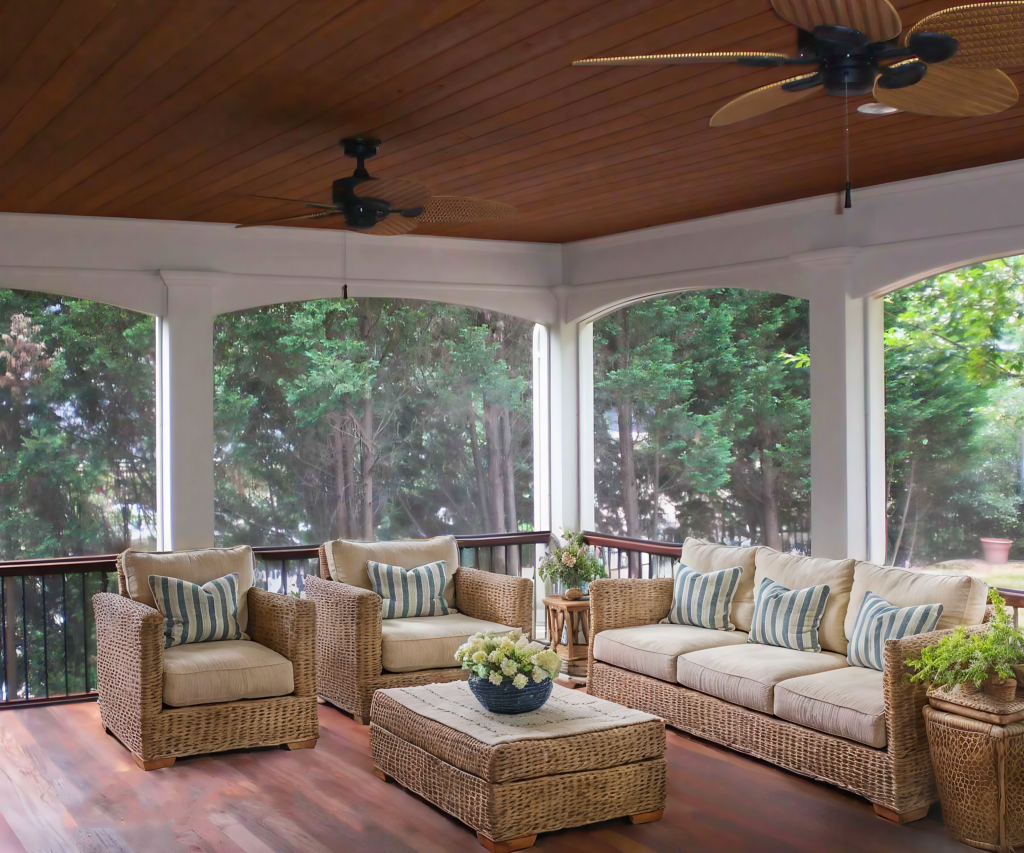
<point>506,698</point>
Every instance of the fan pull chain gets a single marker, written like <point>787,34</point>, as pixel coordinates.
<point>849,199</point>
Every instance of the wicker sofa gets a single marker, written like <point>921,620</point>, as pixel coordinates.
<point>203,697</point>
<point>856,728</point>
<point>359,652</point>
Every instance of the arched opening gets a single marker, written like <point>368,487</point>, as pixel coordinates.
<point>77,427</point>
<point>371,418</point>
<point>954,368</point>
<point>715,387</point>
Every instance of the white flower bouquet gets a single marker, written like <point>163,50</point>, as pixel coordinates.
<point>508,657</point>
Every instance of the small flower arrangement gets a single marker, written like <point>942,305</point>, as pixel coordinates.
<point>511,657</point>
<point>574,564</point>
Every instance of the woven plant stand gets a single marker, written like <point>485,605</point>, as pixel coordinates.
<point>979,767</point>
<point>510,792</point>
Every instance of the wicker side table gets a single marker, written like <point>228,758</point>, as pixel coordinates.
<point>979,767</point>
<point>573,619</point>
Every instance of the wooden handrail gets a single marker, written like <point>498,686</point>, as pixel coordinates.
<point>493,540</point>
<point>625,543</point>
<point>1013,597</point>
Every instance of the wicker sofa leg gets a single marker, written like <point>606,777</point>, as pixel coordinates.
<point>898,817</point>
<point>155,764</point>
<point>301,744</point>
<point>506,846</point>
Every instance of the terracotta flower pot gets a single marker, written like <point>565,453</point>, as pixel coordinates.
<point>997,551</point>
<point>1002,689</point>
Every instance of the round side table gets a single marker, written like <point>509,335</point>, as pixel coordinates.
<point>571,618</point>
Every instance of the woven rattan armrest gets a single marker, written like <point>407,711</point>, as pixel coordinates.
<point>626,603</point>
<point>904,699</point>
<point>288,626</point>
<point>129,663</point>
<point>505,599</point>
<point>348,628</point>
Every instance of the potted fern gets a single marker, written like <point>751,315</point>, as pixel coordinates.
<point>971,662</point>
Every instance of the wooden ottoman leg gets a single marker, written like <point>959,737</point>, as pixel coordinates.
<point>520,843</point>
<point>155,764</point>
<point>301,744</point>
<point>647,817</point>
<point>380,774</point>
<point>897,817</point>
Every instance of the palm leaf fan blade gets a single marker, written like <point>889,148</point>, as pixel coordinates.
<point>760,101</point>
<point>399,193</point>
<point>877,19</point>
<point>747,56</point>
<point>991,35</point>
<point>446,208</point>
<point>953,93</point>
<point>319,215</point>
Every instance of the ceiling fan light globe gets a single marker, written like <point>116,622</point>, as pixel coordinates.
<point>876,109</point>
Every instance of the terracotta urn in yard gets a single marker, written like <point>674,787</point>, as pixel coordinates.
<point>997,551</point>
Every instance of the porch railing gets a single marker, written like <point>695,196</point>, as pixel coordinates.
<point>48,634</point>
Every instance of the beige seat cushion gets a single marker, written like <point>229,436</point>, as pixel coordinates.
<point>795,572</point>
<point>197,567</point>
<point>654,649</point>
<point>962,597</point>
<point>346,560</point>
<point>224,671</point>
<point>428,642</point>
<point>746,675</point>
<point>707,557</point>
<point>847,702</point>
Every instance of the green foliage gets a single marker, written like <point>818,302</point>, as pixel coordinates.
<point>572,564</point>
<point>962,658</point>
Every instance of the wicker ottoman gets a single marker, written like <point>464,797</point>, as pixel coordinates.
<point>510,791</point>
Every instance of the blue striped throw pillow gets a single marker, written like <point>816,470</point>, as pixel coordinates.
<point>410,592</point>
<point>703,599</point>
<point>878,621</point>
<point>197,614</point>
<point>788,618</point>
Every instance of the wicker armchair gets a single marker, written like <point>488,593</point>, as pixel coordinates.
<point>350,665</point>
<point>131,683</point>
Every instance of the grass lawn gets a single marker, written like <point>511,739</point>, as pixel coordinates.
<point>1008,576</point>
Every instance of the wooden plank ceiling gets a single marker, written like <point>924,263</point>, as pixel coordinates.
<point>178,110</point>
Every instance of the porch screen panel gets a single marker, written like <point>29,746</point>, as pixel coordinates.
<point>77,427</point>
<point>702,419</point>
<point>371,418</point>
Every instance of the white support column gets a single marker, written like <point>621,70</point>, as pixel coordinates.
<point>585,372</point>
<point>541,429</point>
<point>839,470</point>
<point>185,413</point>
<point>565,423</point>
<point>874,389</point>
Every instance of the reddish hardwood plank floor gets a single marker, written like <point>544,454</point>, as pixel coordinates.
<point>65,786</point>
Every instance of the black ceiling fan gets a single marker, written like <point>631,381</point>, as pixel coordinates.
<point>386,206</point>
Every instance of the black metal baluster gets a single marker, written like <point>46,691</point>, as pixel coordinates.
<point>3,639</point>
<point>64,627</point>
<point>46,646</point>
<point>284,576</point>
<point>85,634</point>
<point>24,635</point>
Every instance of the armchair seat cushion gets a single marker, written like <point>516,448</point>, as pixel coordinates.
<point>654,649</point>
<point>224,671</point>
<point>847,702</point>
<point>428,642</point>
<point>746,675</point>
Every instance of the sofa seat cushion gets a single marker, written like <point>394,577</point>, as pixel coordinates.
<point>654,649</point>
<point>428,642</point>
<point>224,671</point>
<point>746,675</point>
<point>849,703</point>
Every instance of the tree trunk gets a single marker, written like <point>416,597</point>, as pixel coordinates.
<point>483,505</point>
<point>769,504</point>
<point>511,521</point>
<point>656,487</point>
<point>366,434</point>
<point>903,521</point>
<point>492,432</point>
<point>341,471</point>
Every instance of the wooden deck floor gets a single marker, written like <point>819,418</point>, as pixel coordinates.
<point>66,786</point>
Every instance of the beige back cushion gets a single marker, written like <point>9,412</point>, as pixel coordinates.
<point>795,572</point>
<point>707,557</point>
<point>346,560</point>
<point>193,566</point>
<point>962,597</point>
